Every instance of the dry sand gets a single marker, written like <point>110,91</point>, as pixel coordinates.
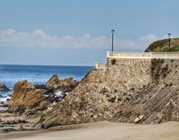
<point>101,131</point>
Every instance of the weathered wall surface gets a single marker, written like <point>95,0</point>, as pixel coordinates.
<point>134,72</point>
<point>165,71</point>
<point>138,72</point>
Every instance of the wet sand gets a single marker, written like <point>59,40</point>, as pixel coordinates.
<point>101,131</point>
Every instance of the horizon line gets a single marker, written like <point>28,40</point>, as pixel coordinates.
<point>49,65</point>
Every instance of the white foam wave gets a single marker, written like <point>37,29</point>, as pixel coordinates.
<point>4,99</point>
<point>59,93</point>
<point>3,108</point>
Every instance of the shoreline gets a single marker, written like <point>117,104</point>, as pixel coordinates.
<point>101,131</point>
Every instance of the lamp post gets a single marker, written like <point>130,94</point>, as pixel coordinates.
<point>112,31</point>
<point>169,34</point>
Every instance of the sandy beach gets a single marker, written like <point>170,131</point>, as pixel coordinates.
<point>101,131</point>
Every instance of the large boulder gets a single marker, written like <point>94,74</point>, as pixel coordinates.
<point>3,87</point>
<point>64,85</point>
<point>25,96</point>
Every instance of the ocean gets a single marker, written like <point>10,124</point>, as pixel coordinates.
<point>10,74</point>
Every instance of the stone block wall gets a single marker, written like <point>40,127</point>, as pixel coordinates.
<point>139,71</point>
<point>165,71</point>
<point>130,71</point>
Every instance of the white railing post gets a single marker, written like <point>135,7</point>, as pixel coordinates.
<point>101,65</point>
<point>108,53</point>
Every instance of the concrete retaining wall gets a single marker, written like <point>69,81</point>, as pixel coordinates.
<point>143,68</point>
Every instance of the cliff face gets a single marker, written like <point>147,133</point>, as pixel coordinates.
<point>128,90</point>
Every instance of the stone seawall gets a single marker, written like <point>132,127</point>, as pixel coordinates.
<point>165,71</point>
<point>133,71</point>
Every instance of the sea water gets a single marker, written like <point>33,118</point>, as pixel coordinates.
<point>11,74</point>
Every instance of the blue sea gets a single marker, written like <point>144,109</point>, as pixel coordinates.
<point>10,74</point>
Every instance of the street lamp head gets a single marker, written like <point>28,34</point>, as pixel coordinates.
<point>169,34</point>
<point>112,30</point>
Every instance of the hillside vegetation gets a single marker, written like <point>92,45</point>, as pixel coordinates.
<point>163,46</point>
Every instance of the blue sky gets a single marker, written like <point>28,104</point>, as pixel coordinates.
<point>78,32</point>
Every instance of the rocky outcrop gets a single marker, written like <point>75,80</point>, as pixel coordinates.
<point>13,122</point>
<point>94,99</point>
<point>25,97</point>
<point>65,85</point>
<point>3,87</point>
<point>102,97</point>
<point>77,108</point>
<point>151,104</point>
<point>84,104</point>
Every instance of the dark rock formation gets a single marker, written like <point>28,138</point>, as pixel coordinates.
<point>3,87</point>
<point>65,85</point>
<point>25,97</point>
<point>40,86</point>
<point>12,122</point>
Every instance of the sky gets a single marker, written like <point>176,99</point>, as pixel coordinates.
<point>78,32</point>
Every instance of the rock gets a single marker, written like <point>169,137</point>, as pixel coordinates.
<point>7,129</point>
<point>156,103</point>
<point>80,105</point>
<point>25,96</point>
<point>3,105</point>
<point>138,119</point>
<point>75,108</point>
<point>29,96</point>
<point>97,98</point>
<point>3,87</point>
<point>40,86</point>
<point>15,121</point>
<point>53,82</point>
<point>65,85</point>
